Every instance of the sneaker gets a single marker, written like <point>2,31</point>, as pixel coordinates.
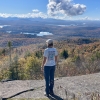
<point>47,95</point>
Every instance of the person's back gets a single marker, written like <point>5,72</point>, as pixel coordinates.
<point>50,53</point>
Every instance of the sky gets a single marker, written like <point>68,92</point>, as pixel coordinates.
<point>58,9</point>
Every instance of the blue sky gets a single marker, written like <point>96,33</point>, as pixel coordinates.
<point>59,9</point>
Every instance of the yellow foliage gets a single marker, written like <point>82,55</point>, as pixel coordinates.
<point>22,61</point>
<point>0,63</point>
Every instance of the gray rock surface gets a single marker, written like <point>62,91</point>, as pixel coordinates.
<point>81,87</point>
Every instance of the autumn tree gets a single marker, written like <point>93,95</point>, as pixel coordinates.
<point>33,66</point>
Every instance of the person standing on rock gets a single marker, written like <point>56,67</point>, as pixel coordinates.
<point>48,66</point>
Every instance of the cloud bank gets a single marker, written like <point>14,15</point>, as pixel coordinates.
<point>58,9</point>
<point>35,14</point>
<point>65,7</point>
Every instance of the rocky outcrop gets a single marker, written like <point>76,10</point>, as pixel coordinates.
<point>85,87</point>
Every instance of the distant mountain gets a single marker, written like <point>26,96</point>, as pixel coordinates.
<point>89,23</point>
<point>16,29</point>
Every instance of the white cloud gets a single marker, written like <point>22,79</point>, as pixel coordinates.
<point>35,10</point>
<point>36,13</point>
<point>58,9</point>
<point>98,19</point>
<point>65,7</point>
<point>89,18</point>
<point>5,15</point>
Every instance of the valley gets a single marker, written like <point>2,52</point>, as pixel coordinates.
<point>32,31</point>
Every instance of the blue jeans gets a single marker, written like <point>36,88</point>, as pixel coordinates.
<point>49,78</point>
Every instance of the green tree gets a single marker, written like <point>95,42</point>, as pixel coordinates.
<point>3,52</point>
<point>64,54</point>
<point>14,69</point>
<point>39,54</point>
<point>10,46</point>
<point>10,61</point>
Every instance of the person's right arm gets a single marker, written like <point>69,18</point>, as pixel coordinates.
<point>56,58</point>
<point>43,62</point>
